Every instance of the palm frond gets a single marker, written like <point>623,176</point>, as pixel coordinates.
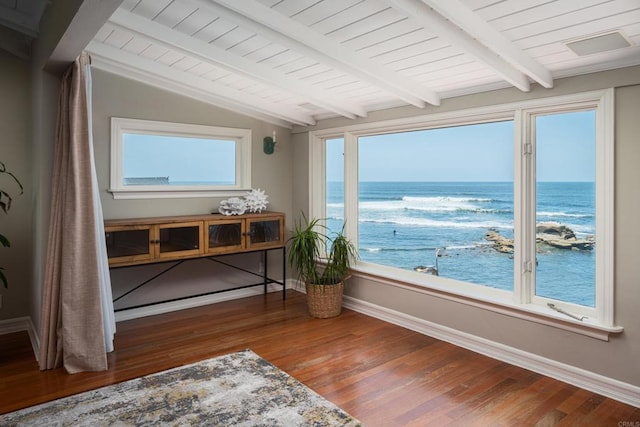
<point>5,205</point>
<point>3,278</point>
<point>307,245</point>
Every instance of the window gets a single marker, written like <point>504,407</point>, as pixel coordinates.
<point>565,207</point>
<point>159,159</point>
<point>428,198</point>
<point>334,184</point>
<point>511,203</point>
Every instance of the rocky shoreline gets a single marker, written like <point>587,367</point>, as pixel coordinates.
<point>547,233</point>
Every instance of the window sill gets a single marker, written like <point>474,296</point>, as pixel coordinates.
<point>131,194</point>
<point>490,299</point>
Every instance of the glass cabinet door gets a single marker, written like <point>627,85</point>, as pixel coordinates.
<point>264,232</point>
<point>129,243</point>
<point>178,240</point>
<point>225,235</point>
<point>136,241</point>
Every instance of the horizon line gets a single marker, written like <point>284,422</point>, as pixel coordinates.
<point>469,182</point>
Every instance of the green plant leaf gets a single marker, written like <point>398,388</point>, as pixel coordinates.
<point>5,205</point>
<point>3,278</point>
<point>306,247</point>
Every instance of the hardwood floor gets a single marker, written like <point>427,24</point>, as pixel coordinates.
<point>382,374</point>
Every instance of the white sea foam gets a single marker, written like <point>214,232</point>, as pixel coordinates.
<point>441,204</point>
<point>578,229</point>
<point>453,247</point>
<point>429,204</point>
<point>446,204</point>
<point>581,230</point>
<point>447,199</point>
<point>396,249</point>
<point>564,214</point>
<point>426,222</point>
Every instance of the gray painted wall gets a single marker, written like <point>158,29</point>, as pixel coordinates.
<point>617,358</point>
<point>115,96</point>
<point>15,154</point>
<point>28,119</point>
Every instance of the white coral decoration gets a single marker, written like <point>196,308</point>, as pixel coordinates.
<point>256,200</point>
<point>232,206</point>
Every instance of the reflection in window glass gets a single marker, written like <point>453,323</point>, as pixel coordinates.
<point>565,207</point>
<point>168,160</point>
<point>428,199</point>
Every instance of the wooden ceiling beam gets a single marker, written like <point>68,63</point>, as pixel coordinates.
<point>442,27</point>
<point>283,30</point>
<point>472,24</point>
<point>133,66</point>
<point>190,46</point>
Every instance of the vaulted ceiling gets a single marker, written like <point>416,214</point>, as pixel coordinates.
<point>22,16</point>
<point>20,24</point>
<point>297,61</point>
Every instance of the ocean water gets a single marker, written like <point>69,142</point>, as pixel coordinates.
<point>401,224</point>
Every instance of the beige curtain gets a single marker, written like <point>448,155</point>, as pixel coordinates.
<point>74,311</point>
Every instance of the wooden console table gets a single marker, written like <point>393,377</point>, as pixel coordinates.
<point>179,238</point>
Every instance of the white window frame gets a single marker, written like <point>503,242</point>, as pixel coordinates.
<point>521,302</point>
<point>121,126</point>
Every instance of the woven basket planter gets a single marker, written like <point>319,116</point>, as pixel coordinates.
<point>324,301</point>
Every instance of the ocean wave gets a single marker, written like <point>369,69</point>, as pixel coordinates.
<point>425,222</point>
<point>578,229</point>
<point>397,249</point>
<point>334,218</point>
<point>564,214</point>
<point>432,204</point>
<point>582,230</point>
<point>471,246</point>
<point>335,205</point>
<point>427,249</point>
<point>436,204</point>
<point>440,199</point>
<point>463,210</point>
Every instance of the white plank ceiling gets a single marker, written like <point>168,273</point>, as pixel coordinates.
<point>297,61</point>
<point>22,16</point>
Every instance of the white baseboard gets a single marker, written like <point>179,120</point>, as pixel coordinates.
<point>615,389</point>
<point>20,324</point>
<point>167,307</point>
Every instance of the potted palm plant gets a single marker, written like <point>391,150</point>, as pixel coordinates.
<point>324,282</point>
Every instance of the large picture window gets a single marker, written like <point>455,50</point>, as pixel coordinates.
<point>152,159</point>
<point>428,198</point>
<point>511,203</point>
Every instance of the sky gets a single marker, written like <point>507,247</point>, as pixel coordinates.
<point>181,159</point>
<point>482,152</point>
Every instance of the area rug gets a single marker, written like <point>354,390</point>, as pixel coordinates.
<point>239,389</point>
